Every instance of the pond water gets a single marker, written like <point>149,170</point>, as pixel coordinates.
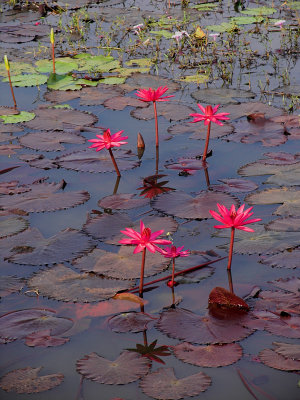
<point>250,69</point>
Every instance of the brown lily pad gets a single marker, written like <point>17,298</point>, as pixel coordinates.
<point>10,284</point>
<point>43,197</point>
<point>286,259</point>
<point>50,119</point>
<point>26,380</point>
<point>170,110</point>
<point>277,302</point>
<point>274,360</point>
<point>222,95</point>
<point>61,96</point>
<point>50,140</point>
<point>289,284</point>
<point>128,367</point>
<point>94,96</point>
<point>163,384</point>
<point>130,322</point>
<point>183,205</point>
<point>121,265</point>
<point>243,110</point>
<point>288,350</point>
<point>260,167</point>
<point>284,225</point>
<point>38,161</point>
<point>213,355</point>
<point>198,131</point>
<point>145,81</point>
<point>62,283</point>
<point>122,201</point>
<point>185,325</point>
<point>89,160</point>
<point>8,111</point>
<point>44,339</point>
<point>12,226</point>
<point>9,149</point>
<point>120,102</point>
<point>235,185</point>
<point>19,324</point>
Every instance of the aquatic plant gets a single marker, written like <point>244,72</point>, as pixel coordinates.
<point>234,219</point>
<point>145,239</point>
<point>154,96</point>
<point>52,46</point>
<point>209,115</point>
<point>107,141</point>
<point>7,66</point>
<point>174,252</point>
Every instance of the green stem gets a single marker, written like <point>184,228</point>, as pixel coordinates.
<point>11,89</point>
<point>53,58</point>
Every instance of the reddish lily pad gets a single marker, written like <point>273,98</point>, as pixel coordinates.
<point>274,360</point>
<point>288,350</point>
<point>10,284</point>
<point>223,298</point>
<point>121,265</point>
<point>286,259</point>
<point>170,110</point>
<point>62,283</point>
<point>245,109</point>
<point>88,160</point>
<point>8,111</point>
<point>44,339</point>
<point>183,205</point>
<point>128,367</point>
<point>94,96</point>
<point>235,185</point>
<point>289,197</point>
<point>289,284</point>
<point>281,158</point>
<point>9,149</point>
<point>267,132</point>
<point>12,225</point>
<point>61,96</point>
<point>222,95</point>
<point>284,225</point>
<point>130,322</point>
<point>186,165</point>
<point>43,197</point>
<point>163,384</point>
<point>186,325</point>
<point>122,201</point>
<point>26,380</point>
<point>38,161</point>
<point>33,249</point>
<point>120,102</point>
<point>213,355</point>
<point>277,302</point>
<point>50,140</point>
<point>198,131</point>
<point>142,81</point>
<point>18,324</point>
<point>50,119</point>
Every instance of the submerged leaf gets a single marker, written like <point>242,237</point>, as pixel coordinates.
<point>44,338</point>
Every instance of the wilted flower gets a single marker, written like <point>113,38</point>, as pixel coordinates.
<point>280,23</point>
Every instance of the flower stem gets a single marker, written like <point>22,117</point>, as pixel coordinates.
<point>230,248</point>
<point>53,58</point>
<point>11,89</point>
<point>207,142</point>
<point>156,124</point>
<point>173,269</point>
<point>230,281</point>
<point>114,162</point>
<point>142,273</point>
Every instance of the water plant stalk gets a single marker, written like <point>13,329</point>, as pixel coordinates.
<point>142,273</point>
<point>7,66</point>
<point>230,248</point>
<point>156,125</point>
<point>52,45</point>
<point>207,142</point>
<point>114,162</point>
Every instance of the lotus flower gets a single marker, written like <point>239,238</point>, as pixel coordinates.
<point>174,252</point>
<point>145,239</point>
<point>209,115</point>
<point>234,219</point>
<point>154,96</point>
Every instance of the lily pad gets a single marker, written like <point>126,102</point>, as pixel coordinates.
<point>120,102</point>
<point>289,284</point>
<point>287,259</point>
<point>198,78</point>
<point>122,201</point>
<point>235,186</point>
<point>213,355</point>
<point>276,302</point>
<point>163,384</point>
<point>259,11</point>
<point>12,225</point>
<point>121,265</point>
<point>62,283</point>
<point>245,109</point>
<point>223,27</point>
<point>16,68</point>
<point>128,367</point>
<point>246,20</point>
<point>27,80</point>
<point>198,131</point>
<point>170,110</point>
<point>143,81</point>
<point>99,63</point>
<point>290,177</point>
<point>10,284</point>
<point>50,140</point>
<point>67,82</point>
<point>26,380</point>
<point>23,116</point>
<point>94,96</point>
<point>183,205</point>
<point>44,339</point>
<point>222,96</point>
<point>274,360</point>
<point>130,322</point>
<point>59,96</point>
<point>63,65</point>
<point>288,350</point>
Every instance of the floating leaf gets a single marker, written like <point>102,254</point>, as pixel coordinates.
<point>128,367</point>
<point>63,65</point>
<point>26,380</point>
<point>259,168</point>
<point>286,259</point>
<point>288,350</point>
<point>43,197</point>
<point>8,111</point>
<point>246,20</point>
<point>122,201</point>
<point>163,384</point>
<point>58,96</point>
<point>223,27</point>
<point>185,325</point>
<point>222,95</point>
<point>223,298</point>
<point>290,177</point>
<point>62,283</point>
<point>67,82</point>
<point>121,265</point>
<point>17,68</point>
<point>130,322</point>
<point>12,226</point>
<point>272,359</point>
<point>259,11</point>
<point>142,81</point>
<point>214,355</point>
<point>96,64</point>
<point>120,102</point>
<point>198,131</point>
<point>98,95</point>
<point>289,197</point>
<point>289,284</point>
<point>140,62</point>
<point>183,205</point>
<point>10,284</point>
<point>277,302</point>
<point>198,78</point>
<point>44,339</point>
<point>166,34</point>
<point>88,160</point>
<point>112,80</point>
<point>169,110</point>
<point>50,140</point>
<point>23,116</point>
<point>186,166</point>
<point>245,109</point>
<point>27,80</point>
<point>18,324</point>
<point>235,185</point>
<point>49,119</point>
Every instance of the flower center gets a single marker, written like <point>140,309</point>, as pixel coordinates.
<point>146,234</point>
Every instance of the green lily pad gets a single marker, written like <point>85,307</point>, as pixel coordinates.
<point>259,11</point>
<point>27,80</point>
<point>125,72</point>
<point>62,65</point>
<point>294,5</point>
<point>16,68</point>
<point>67,82</point>
<point>206,7</point>
<point>224,27</point>
<point>112,80</point>
<point>139,62</point>
<point>198,78</point>
<point>97,63</point>
<point>24,116</point>
<point>166,34</point>
<point>246,20</point>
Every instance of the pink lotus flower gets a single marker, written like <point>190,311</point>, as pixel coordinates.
<point>143,240</point>
<point>209,115</point>
<point>235,220</point>
<point>152,94</point>
<point>106,141</point>
<point>174,252</point>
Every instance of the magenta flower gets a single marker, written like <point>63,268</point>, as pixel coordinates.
<point>143,240</point>
<point>174,252</point>
<point>235,220</point>
<point>107,141</point>
<point>154,96</point>
<point>209,115</point>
